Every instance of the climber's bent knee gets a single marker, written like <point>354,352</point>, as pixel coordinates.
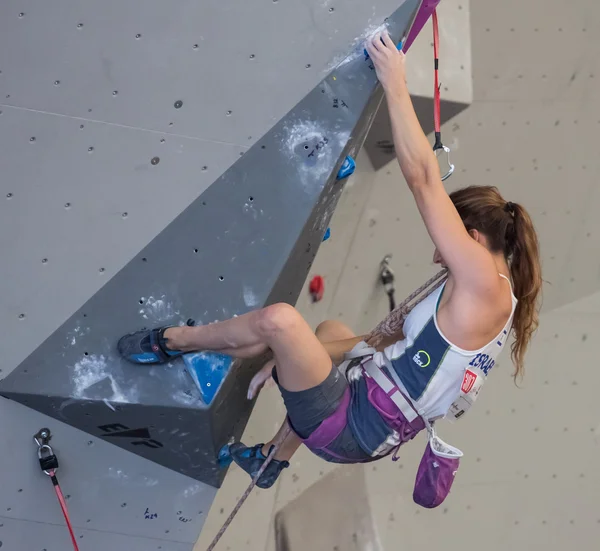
<point>276,320</point>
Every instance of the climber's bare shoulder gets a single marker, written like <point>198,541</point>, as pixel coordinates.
<point>471,320</point>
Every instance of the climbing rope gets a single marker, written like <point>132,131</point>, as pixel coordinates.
<point>394,321</point>
<point>388,327</point>
<point>244,497</point>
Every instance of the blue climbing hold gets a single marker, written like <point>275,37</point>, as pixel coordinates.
<point>327,234</point>
<point>207,370</point>
<point>347,168</point>
<point>367,56</point>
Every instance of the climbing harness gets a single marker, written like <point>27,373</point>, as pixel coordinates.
<point>386,276</point>
<point>388,327</point>
<point>440,461</point>
<point>244,497</point>
<point>438,147</point>
<point>49,465</point>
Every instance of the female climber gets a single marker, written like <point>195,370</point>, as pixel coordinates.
<point>490,249</point>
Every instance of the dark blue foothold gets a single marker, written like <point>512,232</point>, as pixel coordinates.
<point>347,168</point>
<point>327,234</point>
<point>207,370</point>
<point>224,458</point>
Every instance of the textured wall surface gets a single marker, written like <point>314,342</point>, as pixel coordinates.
<point>529,479</point>
<point>126,202</point>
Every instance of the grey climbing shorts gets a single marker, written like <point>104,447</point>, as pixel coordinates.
<point>307,409</point>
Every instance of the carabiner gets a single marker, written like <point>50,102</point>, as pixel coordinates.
<point>386,275</point>
<point>437,149</point>
<point>49,453</point>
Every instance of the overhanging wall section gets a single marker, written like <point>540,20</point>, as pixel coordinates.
<point>222,256</point>
<point>106,138</point>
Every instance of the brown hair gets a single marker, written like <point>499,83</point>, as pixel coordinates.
<point>509,229</point>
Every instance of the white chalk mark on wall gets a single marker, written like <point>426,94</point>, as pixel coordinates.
<point>250,298</point>
<point>75,334</point>
<point>158,310</point>
<point>92,370</point>
<point>311,145</point>
<point>356,50</point>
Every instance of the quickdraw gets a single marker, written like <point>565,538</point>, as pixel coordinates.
<point>49,465</point>
<point>438,147</point>
<point>386,276</point>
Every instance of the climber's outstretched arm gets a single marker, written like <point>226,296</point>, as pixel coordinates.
<point>415,155</point>
<point>468,260</point>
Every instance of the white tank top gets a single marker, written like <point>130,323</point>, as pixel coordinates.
<point>439,377</point>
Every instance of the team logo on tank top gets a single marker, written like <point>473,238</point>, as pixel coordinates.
<point>419,363</point>
<point>422,359</point>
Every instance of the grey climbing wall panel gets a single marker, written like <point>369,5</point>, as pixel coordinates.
<point>126,202</point>
<point>113,496</point>
<point>259,223</point>
<point>95,189</point>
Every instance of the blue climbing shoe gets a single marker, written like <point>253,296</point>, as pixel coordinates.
<point>147,347</point>
<point>252,459</point>
<point>224,458</point>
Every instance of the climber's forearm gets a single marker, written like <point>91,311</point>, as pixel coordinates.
<point>338,349</point>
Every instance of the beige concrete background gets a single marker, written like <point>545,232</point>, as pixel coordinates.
<point>529,479</point>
